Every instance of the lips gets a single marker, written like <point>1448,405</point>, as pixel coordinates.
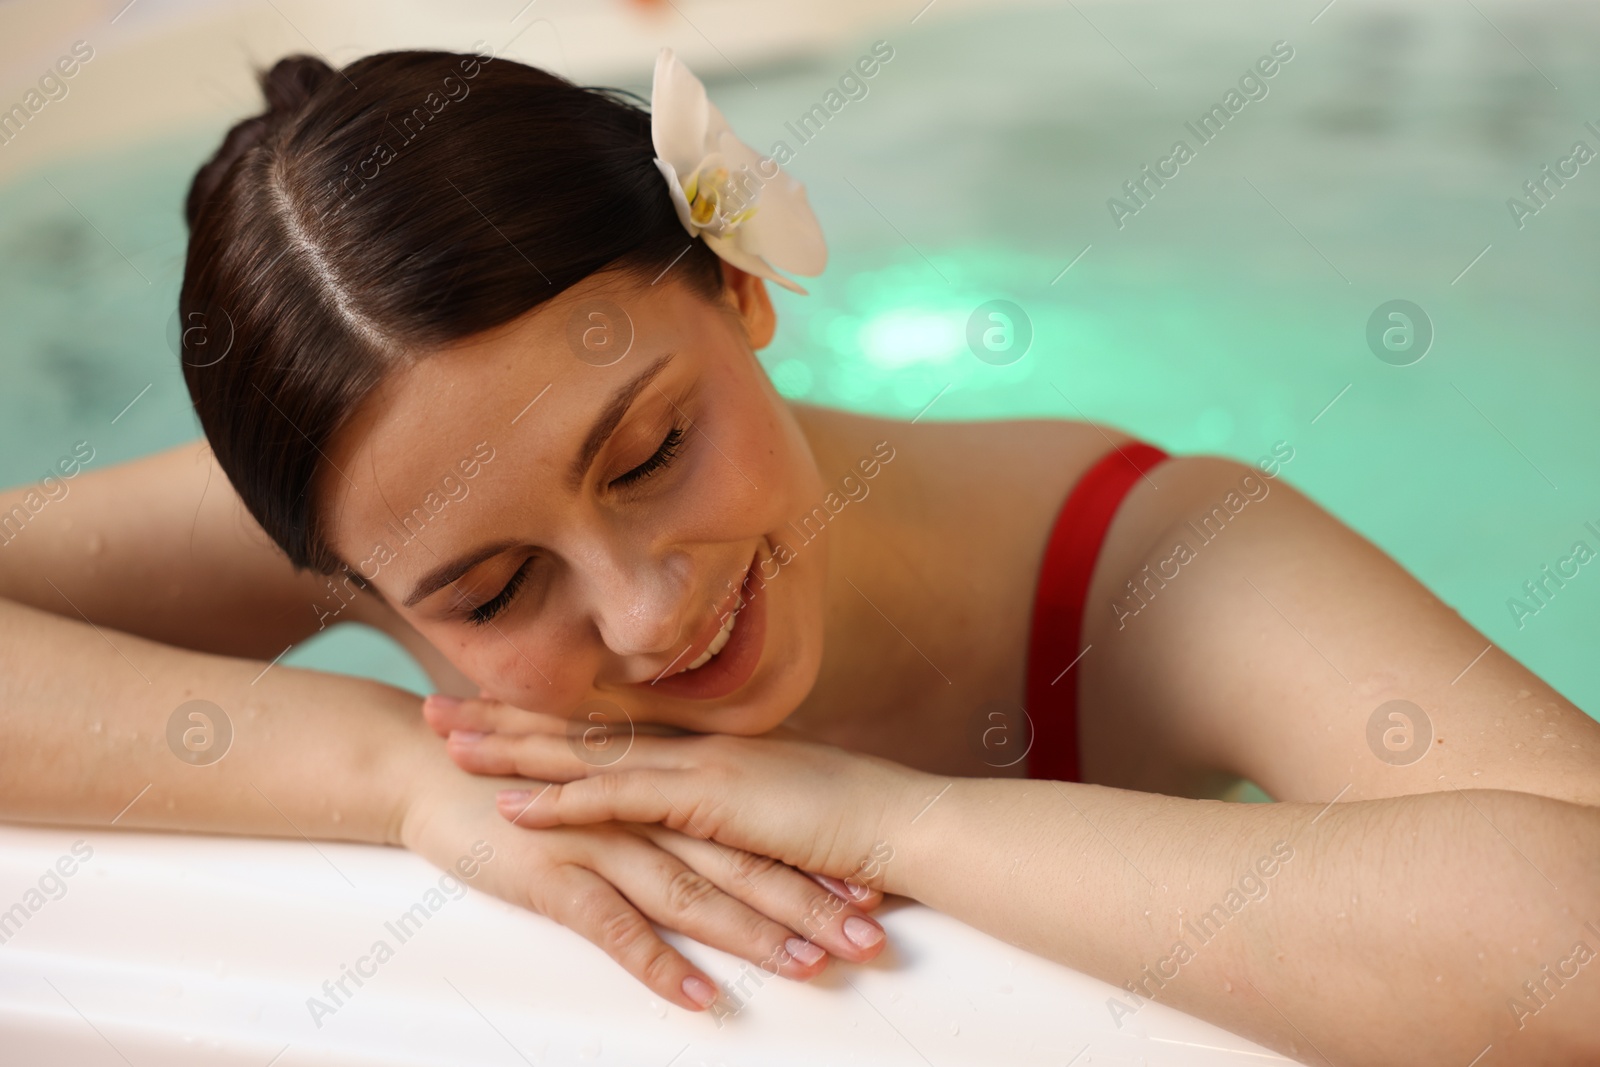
<point>719,621</point>
<point>733,665</point>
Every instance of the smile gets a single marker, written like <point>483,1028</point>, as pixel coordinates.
<point>730,656</point>
<point>717,642</point>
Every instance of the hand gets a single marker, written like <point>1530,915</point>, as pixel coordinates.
<point>464,722</point>
<point>610,880</point>
<point>813,806</point>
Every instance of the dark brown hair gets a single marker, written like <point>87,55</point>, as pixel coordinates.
<point>373,214</point>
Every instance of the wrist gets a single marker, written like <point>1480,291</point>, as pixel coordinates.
<point>903,836</point>
<point>419,770</point>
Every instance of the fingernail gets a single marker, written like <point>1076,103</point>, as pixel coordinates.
<point>510,797</point>
<point>803,950</point>
<point>699,990</point>
<point>857,892</point>
<point>443,702</point>
<point>466,737</point>
<point>862,932</point>
<point>836,887</point>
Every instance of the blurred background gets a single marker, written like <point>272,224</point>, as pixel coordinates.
<point>1227,309</point>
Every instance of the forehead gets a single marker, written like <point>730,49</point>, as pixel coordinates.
<point>529,390</point>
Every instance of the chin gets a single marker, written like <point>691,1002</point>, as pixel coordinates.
<point>776,691</point>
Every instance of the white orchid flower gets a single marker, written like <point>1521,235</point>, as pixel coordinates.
<point>738,201</point>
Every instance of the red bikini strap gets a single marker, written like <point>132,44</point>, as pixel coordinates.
<point>1055,641</point>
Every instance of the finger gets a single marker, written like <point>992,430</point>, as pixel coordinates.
<point>864,896</point>
<point>829,920</point>
<point>683,898</point>
<point>446,714</point>
<point>586,903</point>
<point>624,796</point>
<point>561,758</point>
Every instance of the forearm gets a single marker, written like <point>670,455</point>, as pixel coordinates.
<point>1420,916</point>
<point>161,547</point>
<point>84,718</point>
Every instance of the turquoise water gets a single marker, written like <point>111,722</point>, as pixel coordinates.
<point>1223,315</point>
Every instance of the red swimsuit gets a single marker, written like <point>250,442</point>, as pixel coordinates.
<point>1054,644</point>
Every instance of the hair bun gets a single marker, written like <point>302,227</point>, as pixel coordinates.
<point>292,81</point>
<point>287,86</point>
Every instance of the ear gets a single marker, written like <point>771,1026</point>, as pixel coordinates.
<point>747,296</point>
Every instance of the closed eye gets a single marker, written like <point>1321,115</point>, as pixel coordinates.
<point>663,456</point>
<point>481,614</point>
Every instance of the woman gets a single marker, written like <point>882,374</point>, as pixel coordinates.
<point>475,348</point>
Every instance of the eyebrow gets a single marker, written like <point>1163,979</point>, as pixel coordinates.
<point>599,433</point>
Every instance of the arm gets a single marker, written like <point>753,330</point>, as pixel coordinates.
<point>84,715</point>
<point>1421,916</point>
<point>1265,654</point>
<point>162,547</point>
<point>84,720</point>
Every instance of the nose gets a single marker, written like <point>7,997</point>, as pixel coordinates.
<point>642,606</point>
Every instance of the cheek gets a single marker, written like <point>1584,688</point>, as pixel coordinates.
<point>742,473</point>
<point>507,663</point>
<point>775,454</point>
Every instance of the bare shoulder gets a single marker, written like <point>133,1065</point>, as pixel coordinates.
<point>1038,457</point>
<point>977,498</point>
<point>1241,629</point>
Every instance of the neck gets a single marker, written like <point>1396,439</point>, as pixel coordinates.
<point>873,681</point>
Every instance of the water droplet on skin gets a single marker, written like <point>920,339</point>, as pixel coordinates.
<point>1227,986</point>
<point>336,817</point>
<point>955,1030</point>
<point>95,544</point>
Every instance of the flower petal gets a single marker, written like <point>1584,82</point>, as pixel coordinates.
<point>785,230</point>
<point>748,262</point>
<point>680,202</point>
<point>679,114</point>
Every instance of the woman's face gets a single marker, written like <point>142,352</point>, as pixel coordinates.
<point>571,516</point>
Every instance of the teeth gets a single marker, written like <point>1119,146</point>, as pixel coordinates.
<point>716,644</point>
